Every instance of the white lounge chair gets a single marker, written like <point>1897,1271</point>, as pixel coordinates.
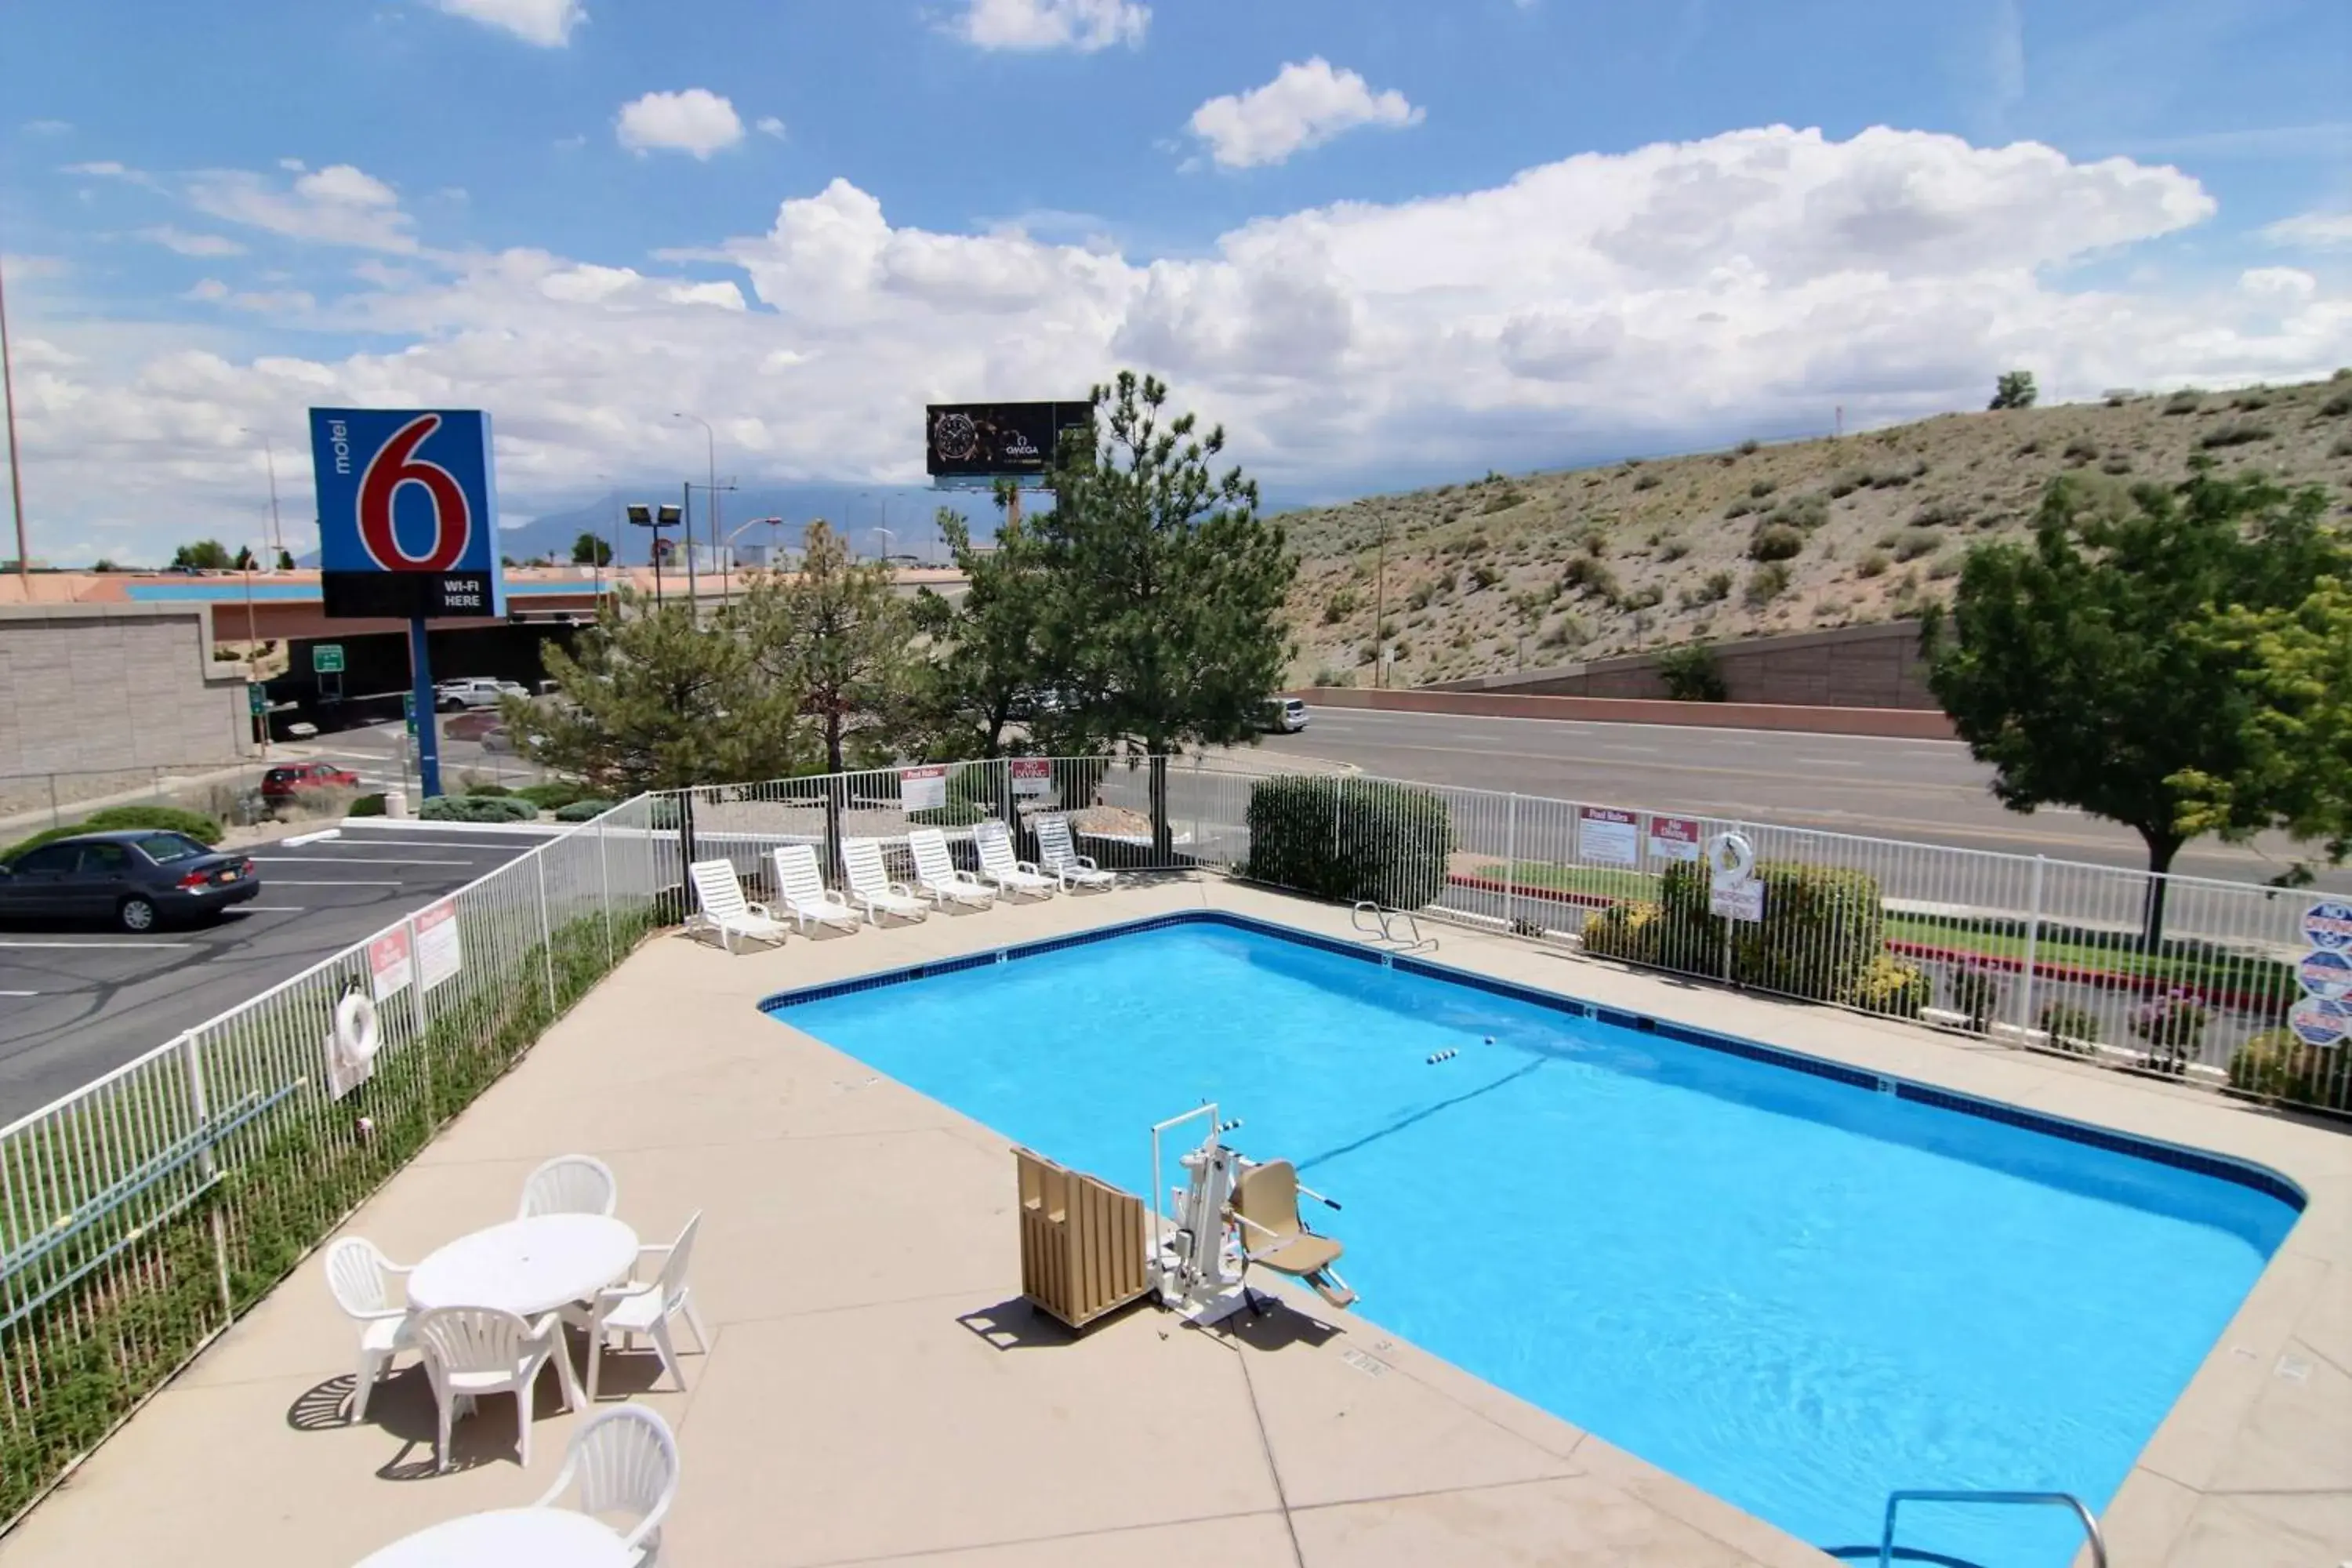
<point>871,886</point>
<point>800,892</point>
<point>1000,866</point>
<point>625,1462</point>
<point>725,909</point>
<point>1057,856</point>
<point>645,1307</point>
<point>937,875</point>
<point>473,1351</point>
<point>570,1184</point>
<point>356,1273</point>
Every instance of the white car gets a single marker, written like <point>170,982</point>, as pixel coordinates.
<point>451,696</point>
<point>1286,715</point>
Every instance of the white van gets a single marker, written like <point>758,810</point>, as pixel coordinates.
<point>1286,715</point>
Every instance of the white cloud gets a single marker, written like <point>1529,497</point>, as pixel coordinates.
<point>769,125</point>
<point>1082,25</point>
<point>2314,231</point>
<point>1674,295</point>
<point>187,244</point>
<point>104,169</point>
<point>47,127</point>
<point>339,205</point>
<point>2288,284</point>
<point>696,121</point>
<point>547,23</point>
<point>1304,106</point>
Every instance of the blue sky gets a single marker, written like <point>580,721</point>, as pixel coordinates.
<point>1382,242</point>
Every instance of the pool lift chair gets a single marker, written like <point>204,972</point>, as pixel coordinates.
<point>1231,1212</point>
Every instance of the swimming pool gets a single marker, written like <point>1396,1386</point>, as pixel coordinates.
<point>1788,1282</point>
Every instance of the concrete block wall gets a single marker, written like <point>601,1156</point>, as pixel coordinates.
<point>1852,667</point>
<point>107,688</point>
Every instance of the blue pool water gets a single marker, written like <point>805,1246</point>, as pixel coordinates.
<point>1795,1293</point>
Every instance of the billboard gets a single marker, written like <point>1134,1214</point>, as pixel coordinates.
<point>977,442</point>
<point>407,512</point>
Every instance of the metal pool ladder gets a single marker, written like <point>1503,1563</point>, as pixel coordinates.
<point>2044,1500</point>
<point>1383,927</point>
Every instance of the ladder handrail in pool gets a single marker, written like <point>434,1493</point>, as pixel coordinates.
<point>1381,930</point>
<point>2048,1500</point>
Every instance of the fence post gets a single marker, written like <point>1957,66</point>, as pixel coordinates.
<point>2032,946</point>
<point>416,1015</point>
<point>605,876</point>
<point>57,816</point>
<point>192,1062</point>
<point>1510,862</point>
<point>546,932</point>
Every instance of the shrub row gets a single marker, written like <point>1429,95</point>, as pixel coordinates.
<point>113,818</point>
<point>477,808</point>
<point>1350,839</point>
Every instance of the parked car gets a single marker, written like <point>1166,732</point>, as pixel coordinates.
<point>137,879</point>
<point>478,692</point>
<point>294,781</point>
<point>1286,715</point>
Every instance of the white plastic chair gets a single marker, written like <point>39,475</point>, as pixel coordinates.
<point>937,875</point>
<point>570,1184</point>
<point>1058,856</point>
<point>1001,866</point>
<point>718,894</point>
<point>625,1461</point>
<point>357,1274</point>
<point>871,885</point>
<point>645,1307</point>
<point>473,1351</point>
<point>801,889</point>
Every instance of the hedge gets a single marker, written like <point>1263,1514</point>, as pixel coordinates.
<point>1350,839</point>
<point>117,818</point>
<point>2276,1064</point>
<point>477,808</point>
<point>553,796</point>
<point>583,810</point>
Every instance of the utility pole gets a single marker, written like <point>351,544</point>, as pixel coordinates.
<point>276,530</point>
<point>15,466</point>
<point>693,603</point>
<point>1381,612</point>
<point>718,565</point>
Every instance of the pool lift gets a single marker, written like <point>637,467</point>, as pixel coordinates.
<point>1200,1262</point>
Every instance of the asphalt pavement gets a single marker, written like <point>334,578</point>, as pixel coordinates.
<point>76,1003</point>
<point>1927,792</point>
<point>382,755</point>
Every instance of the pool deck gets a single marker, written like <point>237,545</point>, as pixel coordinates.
<point>879,1395</point>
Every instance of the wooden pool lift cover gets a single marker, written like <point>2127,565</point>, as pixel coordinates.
<point>1083,1253</point>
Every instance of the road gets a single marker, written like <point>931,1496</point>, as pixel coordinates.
<point>75,1003</point>
<point>1927,792</point>
<point>379,754</point>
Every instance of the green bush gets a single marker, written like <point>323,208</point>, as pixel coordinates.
<point>1691,674</point>
<point>955,813</point>
<point>488,789</point>
<point>1350,839</point>
<point>1824,936</point>
<point>1892,988</point>
<point>1776,541</point>
<point>1976,993</point>
<point>2275,1063</point>
<point>2242,434</point>
<point>366,805</point>
<point>553,796</point>
<point>476,808</point>
<point>162,818</point>
<point>586,810</point>
<point>2064,1021</point>
<point>1766,582</point>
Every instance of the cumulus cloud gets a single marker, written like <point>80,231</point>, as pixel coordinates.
<point>698,122</point>
<point>339,205</point>
<point>1304,106</point>
<point>769,125</point>
<point>1672,295</point>
<point>547,23</point>
<point>187,244</point>
<point>1082,25</point>
<point>2285,283</point>
<point>2314,231</point>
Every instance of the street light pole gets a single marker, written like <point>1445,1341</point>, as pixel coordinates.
<point>710,452</point>
<point>269,455</point>
<point>15,478</point>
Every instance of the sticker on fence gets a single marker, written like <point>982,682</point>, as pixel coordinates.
<point>923,789</point>
<point>1675,838</point>
<point>391,965</point>
<point>1606,836</point>
<point>440,953</point>
<point>2327,925</point>
<point>1031,775</point>
<point>2318,1022</point>
<point>2325,974</point>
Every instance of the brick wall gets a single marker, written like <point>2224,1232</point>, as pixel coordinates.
<point>1852,667</point>
<point>97,688</point>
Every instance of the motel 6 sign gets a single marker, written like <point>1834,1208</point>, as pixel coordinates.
<point>407,520</point>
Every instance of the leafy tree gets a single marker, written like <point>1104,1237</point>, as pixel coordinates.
<point>588,550</point>
<point>837,633</point>
<point>2015,389</point>
<point>285,560</point>
<point>2297,777</point>
<point>651,701</point>
<point>105,565</point>
<point>2076,671</point>
<point>1164,619</point>
<point>204,555</point>
<point>986,649</point>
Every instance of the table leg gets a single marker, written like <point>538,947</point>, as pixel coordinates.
<point>564,1370</point>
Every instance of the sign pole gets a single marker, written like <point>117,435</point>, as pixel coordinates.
<point>428,721</point>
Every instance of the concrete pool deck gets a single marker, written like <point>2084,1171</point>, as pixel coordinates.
<point>876,1393</point>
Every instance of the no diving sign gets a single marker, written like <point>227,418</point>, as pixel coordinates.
<point>2327,925</point>
<point>2318,1022</point>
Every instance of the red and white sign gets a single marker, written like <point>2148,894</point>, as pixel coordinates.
<point>1606,836</point>
<point>439,951</point>
<point>1675,837</point>
<point>923,789</point>
<point>1031,775</point>
<point>391,965</point>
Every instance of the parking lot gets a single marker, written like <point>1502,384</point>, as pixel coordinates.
<point>76,1003</point>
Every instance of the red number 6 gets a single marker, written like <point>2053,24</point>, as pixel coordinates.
<point>396,465</point>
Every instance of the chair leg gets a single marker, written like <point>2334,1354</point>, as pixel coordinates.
<point>522,1420</point>
<point>372,1365</point>
<point>668,1353</point>
<point>447,1403</point>
<point>694,1321</point>
<point>595,1358</point>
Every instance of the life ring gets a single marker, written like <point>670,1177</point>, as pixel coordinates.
<point>355,1030</point>
<point>1730,857</point>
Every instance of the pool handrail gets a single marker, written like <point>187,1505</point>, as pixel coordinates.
<point>2049,1499</point>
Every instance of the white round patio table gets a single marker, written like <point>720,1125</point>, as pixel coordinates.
<point>526,1266</point>
<point>510,1538</point>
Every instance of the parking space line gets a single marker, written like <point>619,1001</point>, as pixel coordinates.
<point>282,882</point>
<point>19,993</point>
<point>274,908</point>
<point>347,860</point>
<point>71,946</point>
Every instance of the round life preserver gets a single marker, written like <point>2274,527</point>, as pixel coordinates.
<point>1730,857</point>
<point>355,1030</point>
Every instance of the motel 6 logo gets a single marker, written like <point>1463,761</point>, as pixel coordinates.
<point>404,491</point>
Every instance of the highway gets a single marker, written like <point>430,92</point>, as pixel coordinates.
<point>1925,792</point>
